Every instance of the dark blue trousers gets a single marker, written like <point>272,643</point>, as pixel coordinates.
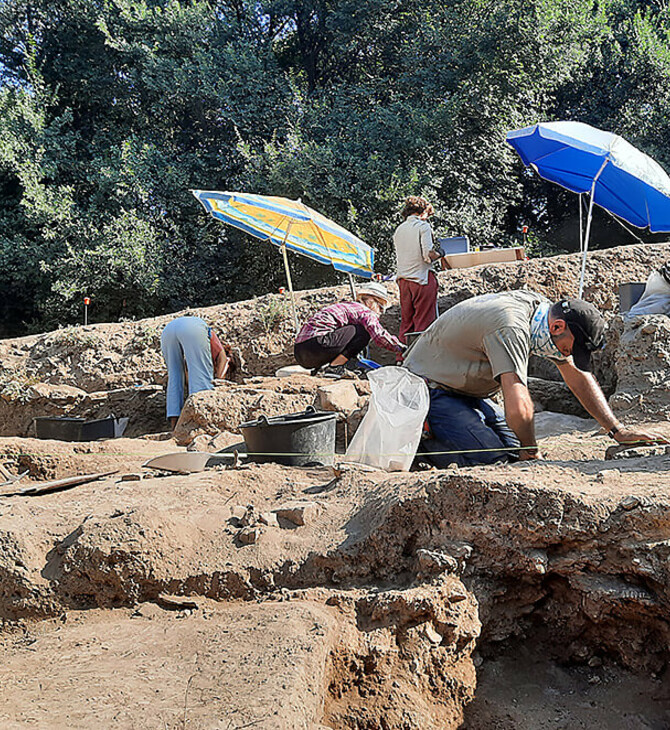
<point>474,425</point>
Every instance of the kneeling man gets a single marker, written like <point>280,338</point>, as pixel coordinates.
<point>482,345</point>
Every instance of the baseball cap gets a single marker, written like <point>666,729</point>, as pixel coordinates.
<point>588,328</point>
<point>377,290</point>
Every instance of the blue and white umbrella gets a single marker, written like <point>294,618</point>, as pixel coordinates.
<point>617,176</point>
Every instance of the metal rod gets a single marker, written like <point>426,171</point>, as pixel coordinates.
<point>288,279</point>
<point>588,230</point>
<point>351,285</point>
<point>581,224</point>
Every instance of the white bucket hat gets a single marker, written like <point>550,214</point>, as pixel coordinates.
<point>377,290</point>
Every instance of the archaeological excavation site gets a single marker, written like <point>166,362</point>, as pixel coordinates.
<point>214,590</point>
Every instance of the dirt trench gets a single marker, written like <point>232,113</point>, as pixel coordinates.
<point>495,598</point>
<point>419,582</point>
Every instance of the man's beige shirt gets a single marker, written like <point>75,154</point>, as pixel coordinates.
<point>468,347</point>
<point>413,241</point>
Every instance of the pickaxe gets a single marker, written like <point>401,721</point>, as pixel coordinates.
<point>9,477</point>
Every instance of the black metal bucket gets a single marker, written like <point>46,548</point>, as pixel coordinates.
<point>297,439</point>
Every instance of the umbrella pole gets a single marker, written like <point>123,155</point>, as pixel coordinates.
<point>351,285</point>
<point>581,223</point>
<point>289,281</point>
<point>586,247</point>
<point>588,230</point>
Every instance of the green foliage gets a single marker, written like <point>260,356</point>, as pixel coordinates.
<point>146,336</point>
<point>72,339</point>
<point>15,385</point>
<point>111,111</point>
<point>274,312</point>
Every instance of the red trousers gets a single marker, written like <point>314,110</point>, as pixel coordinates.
<point>418,305</point>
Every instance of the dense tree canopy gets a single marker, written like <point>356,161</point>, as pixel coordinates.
<point>112,110</point>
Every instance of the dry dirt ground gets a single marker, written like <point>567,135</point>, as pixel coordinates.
<point>349,620</point>
<point>528,596</point>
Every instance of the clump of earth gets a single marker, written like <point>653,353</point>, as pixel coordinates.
<point>531,595</point>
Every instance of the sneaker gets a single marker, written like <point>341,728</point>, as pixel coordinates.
<point>357,366</point>
<point>333,371</point>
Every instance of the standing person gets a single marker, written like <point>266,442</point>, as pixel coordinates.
<point>482,345</point>
<point>194,354</point>
<point>338,333</point>
<point>413,241</point>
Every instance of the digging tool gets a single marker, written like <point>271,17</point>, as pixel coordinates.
<point>633,451</point>
<point>58,484</point>
<point>189,462</point>
<point>9,477</point>
<point>183,462</point>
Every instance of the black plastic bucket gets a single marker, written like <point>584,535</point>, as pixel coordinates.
<point>297,439</point>
<point>412,337</point>
<point>64,428</point>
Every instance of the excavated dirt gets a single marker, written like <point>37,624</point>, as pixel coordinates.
<point>404,575</point>
<point>532,595</point>
<point>103,357</point>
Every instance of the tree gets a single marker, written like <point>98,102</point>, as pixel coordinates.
<point>112,110</point>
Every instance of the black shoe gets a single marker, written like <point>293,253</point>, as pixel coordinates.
<point>333,371</point>
<point>357,368</point>
<point>355,365</point>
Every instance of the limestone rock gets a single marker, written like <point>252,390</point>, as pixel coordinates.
<point>435,561</point>
<point>248,535</point>
<point>298,512</point>
<point>210,412</point>
<point>237,513</point>
<point>340,396</point>
<point>268,518</point>
<point>201,443</point>
<point>64,394</point>
<point>224,439</point>
<point>642,362</point>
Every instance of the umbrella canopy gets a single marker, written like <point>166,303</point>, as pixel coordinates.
<point>617,176</point>
<point>583,159</point>
<point>292,224</point>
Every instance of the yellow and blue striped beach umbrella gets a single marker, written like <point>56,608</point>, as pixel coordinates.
<point>291,223</point>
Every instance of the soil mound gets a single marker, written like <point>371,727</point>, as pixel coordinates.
<point>258,595</point>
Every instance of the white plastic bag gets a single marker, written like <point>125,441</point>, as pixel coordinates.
<point>389,434</point>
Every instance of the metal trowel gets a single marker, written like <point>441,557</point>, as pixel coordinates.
<point>190,462</point>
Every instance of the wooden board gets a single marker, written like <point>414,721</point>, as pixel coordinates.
<point>490,256</point>
<point>44,487</point>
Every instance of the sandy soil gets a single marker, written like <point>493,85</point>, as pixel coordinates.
<point>48,460</point>
<point>523,689</point>
<point>367,615</point>
<point>110,545</point>
<point>218,666</point>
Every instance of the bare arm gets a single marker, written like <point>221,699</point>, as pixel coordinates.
<point>221,365</point>
<point>587,391</point>
<point>519,412</point>
<point>426,243</point>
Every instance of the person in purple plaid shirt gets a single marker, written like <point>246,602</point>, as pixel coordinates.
<point>338,333</point>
